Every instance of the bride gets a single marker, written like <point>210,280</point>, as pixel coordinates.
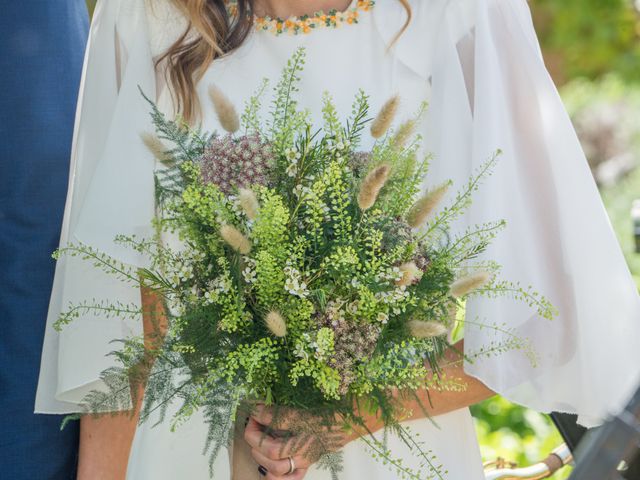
<point>478,64</point>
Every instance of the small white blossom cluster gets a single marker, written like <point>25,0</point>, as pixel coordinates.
<point>235,207</point>
<point>294,157</point>
<point>318,345</point>
<point>339,147</point>
<point>183,272</point>
<point>301,349</point>
<point>397,299</point>
<point>392,275</point>
<point>217,287</point>
<point>301,191</point>
<point>181,266</point>
<point>175,305</point>
<point>294,284</point>
<point>249,271</point>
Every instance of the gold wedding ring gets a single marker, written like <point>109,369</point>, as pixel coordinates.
<point>292,466</point>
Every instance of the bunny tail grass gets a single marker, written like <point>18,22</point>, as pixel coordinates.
<point>156,146</point>
<point>411,274</point>
<point>235,239</point>
<point>422,329</point>
<point>465,285</point>
<point>385,117</point>
<point>371,186</point>
<point>225,110</point>
<point>404,132</point>
<point>424,207</point>
<point>276,324</point>
<point>249,203</point>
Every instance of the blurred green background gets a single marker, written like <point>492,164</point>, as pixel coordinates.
<point>592,49</point>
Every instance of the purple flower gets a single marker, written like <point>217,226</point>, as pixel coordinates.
<point>232,163</point>
<point>354,342</point>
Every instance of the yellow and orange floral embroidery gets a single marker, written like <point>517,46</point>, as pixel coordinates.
<point>307,23</point>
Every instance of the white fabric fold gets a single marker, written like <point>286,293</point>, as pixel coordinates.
<point>111,192</point>
<point>492,91</point>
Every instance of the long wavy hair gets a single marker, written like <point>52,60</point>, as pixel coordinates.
<point>212,33</point>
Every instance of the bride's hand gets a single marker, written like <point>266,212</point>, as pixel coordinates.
<point>276,456</point>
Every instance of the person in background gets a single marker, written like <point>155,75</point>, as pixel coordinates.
<point>41,53</point>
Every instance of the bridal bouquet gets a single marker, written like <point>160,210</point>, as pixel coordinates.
<point>299,272</point>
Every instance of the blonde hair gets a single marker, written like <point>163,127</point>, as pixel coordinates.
<point>211,33</point>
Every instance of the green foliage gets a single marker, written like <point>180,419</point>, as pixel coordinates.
<point>515,433</point>
<point>305,305</point>
<point>613,98</point>
<point>269,283</point>
<point>270,230</point>
<point>590,37</point>
<point>618,199</point>
<point>605,116</point>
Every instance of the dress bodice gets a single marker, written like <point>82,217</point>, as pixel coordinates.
<point>340,60</point>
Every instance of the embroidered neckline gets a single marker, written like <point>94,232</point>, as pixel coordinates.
<point>307,23</point>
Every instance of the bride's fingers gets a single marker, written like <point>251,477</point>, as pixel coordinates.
<point>262,414</point>
<point>270,447</point>
<point>280,421</point>
<point>279,467</point>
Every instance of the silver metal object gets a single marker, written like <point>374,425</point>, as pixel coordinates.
<point>500,469</point>
<point>292,466</point>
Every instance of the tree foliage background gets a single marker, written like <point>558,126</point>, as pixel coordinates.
<point>589,38</point>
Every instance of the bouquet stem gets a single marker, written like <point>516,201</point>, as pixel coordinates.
<point>243,466</point>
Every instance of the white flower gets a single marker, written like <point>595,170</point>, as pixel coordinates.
<point>249,275</point>
<point>292,169</point>
<point>294,283</point>
<point>300,352</point>
<point>217,287</point>
<point>298,190</point>
<point>383,318</point>
<point>185,273</point>
<point>210,297</point>
<point>249,272</point>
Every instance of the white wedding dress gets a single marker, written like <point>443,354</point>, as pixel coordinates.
<point>478,64</point>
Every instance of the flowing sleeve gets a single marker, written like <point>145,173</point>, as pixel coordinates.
<point>491,90</point>
<point>111,192</point>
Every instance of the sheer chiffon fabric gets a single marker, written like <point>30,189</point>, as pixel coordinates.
<point>478,64</point>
